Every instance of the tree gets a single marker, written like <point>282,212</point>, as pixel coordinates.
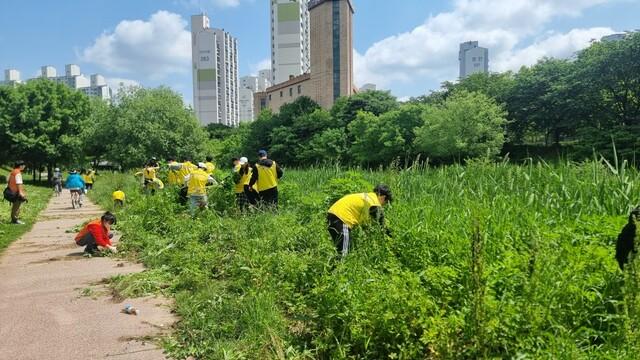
<point>329,146</point>
<point>542,101</point>
<point>43,122</point>
<point>152,122</point>
<point>467,125</point>
<point>385,138</point>
<point>97,134</point>
<point>376,102</point>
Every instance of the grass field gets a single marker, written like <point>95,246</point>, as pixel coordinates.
<point>38,199</point>
<point>486,261</point>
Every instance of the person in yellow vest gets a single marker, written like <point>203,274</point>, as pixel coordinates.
<point>173,177</point>
<point>118,197</point>
<point>241,177</point>
<point>353,210</point>
<point>265,175</point>
<point>196,183</point>
<point>211,167</point>
<point>149,178</point>
<point>186,168</point>
<point>89,177</point>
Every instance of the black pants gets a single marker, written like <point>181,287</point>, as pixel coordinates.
<point>269,197</point>
<point>340,234</point>
<point>89,186</point>
<point>252,196</point>
<point>118,203</point>
<point>90,242</point>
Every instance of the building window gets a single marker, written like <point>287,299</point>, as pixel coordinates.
<point>290,91</point>
<point>299,89</point>
<point>280,93</point>
<point>336,49</point>
<point>269,97</point>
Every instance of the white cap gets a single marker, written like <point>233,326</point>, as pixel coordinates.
<point>243,160</point>
<point>201,165</point>
<point>57,169</point>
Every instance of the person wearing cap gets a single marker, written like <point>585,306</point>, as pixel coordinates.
<point>241,177</point>
<point>265,175</point>
<point>353,210</point>
<point>17,194</point>
<point>196,183</point>
<point>57,181</point>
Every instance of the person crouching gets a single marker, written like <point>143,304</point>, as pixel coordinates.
<point>97,234</point>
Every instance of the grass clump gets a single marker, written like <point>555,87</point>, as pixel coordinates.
<point>487,261</point>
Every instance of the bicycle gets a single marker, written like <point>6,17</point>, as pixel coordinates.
<point>57,187</point>
<point>76,198</point>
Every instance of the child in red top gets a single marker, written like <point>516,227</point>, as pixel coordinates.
<point>97,233</point>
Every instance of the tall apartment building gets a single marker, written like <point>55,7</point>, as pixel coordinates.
<point>11,77</point>
<point>215,73</point>
<point>331,72</point>
<point>473,59</point>
<point>96,85</point>
<point>290,37</point>
<point>250,85</point>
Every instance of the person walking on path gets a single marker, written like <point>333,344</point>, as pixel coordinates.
<point>353,210</point>
<point>16,187</point>
<point>196,183</point>
<point>96,234</point>
<point>265,175</point>
<point>57,181</point>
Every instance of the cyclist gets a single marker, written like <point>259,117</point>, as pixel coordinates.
<point>57,181</point>
<point>76,187</point>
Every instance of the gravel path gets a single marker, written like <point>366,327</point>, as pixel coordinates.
<point>52,305</point>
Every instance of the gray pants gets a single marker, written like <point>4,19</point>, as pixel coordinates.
<point>15,210</point>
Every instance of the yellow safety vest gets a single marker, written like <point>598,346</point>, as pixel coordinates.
<point>197,184</point>
<point>210,168</point>
<point>118,195</point>
<point>245,179</point>
<point>354,209</point>
<point>186,169</point>
<point>173,176</point>
<point>149,173</point>
<point>267,177</point>
<point>87,179</point>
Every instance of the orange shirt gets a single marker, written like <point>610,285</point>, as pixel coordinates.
<point>15,179</point>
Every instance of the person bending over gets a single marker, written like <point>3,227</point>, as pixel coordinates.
<point>353,210</point>
<point>97,234</point>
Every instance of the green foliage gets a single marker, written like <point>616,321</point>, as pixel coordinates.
<point>41,122</point>
<point>487,261</point>
<point>150,122</point>
<point>466,125</point>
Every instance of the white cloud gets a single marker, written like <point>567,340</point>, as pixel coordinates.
<point>260,65</point>
<point>155,48</point>
<point>429,53</point>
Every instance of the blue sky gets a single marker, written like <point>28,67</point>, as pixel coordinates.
<point>406,46</point>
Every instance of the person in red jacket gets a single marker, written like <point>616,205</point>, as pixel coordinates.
<point>97,233</point>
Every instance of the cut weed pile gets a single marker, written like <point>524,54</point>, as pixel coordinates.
<point>487,261</point>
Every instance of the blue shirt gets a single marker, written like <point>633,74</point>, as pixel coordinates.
<point>74,181</point>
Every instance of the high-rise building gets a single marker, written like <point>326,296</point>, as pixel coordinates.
<point>473,59</point>
<point>264,79</point>
<point>289,39</point>
<point>614,37</point>
<point>11,77</point>
<point>368,87</point>
<point>96,85</point>
<point>331,72</point>
<point>215,73</point>
<point>246,105</point>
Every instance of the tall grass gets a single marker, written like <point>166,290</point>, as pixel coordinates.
<point>487,260</point>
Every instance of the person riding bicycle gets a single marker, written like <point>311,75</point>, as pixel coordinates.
<point>57,181</point>
<point>75,184</point>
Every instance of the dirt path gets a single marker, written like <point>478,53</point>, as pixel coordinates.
<point>43,312</point>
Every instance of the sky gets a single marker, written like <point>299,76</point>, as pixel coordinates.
<point>406,46</point>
